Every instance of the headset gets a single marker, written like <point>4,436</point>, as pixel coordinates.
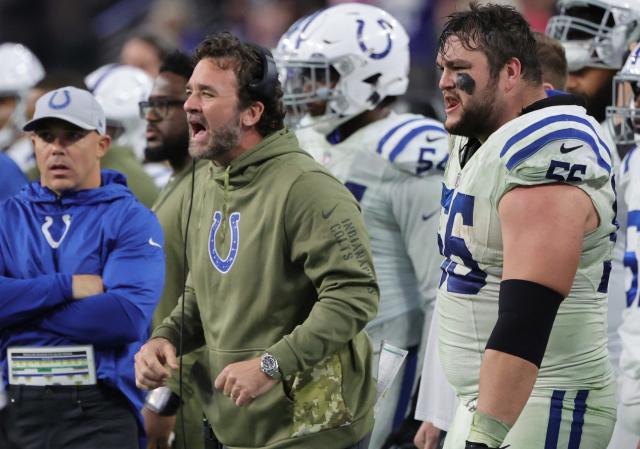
<point>264,88</point>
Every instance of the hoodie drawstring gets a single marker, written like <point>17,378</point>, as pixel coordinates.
<point>225,205</point>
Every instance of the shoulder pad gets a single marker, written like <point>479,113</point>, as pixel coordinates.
<point>414,144</point>
<point>558,148</point>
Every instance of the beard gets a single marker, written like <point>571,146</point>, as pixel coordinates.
<point>597,102</point>
<point>478,116</point>
<point>222,141</point>
<point>170,148</point>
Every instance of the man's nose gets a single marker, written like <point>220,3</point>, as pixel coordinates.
<point>446,80</point>
<point>191,104</point>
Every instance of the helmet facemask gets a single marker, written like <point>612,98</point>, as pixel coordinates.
<point>594,33</point>
<point>624,116</point>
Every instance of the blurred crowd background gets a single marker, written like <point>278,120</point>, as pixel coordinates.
<point>73,37</point>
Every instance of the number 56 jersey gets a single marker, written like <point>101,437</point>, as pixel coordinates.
<point>553,144</point>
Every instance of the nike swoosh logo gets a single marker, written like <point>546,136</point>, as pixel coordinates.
<point>433,139</point>
<point>326,215</point>
<point>425,217</point>
<point>152,243</point>
<point>565,150</point>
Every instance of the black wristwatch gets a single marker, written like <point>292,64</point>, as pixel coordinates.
<point>269,366</point>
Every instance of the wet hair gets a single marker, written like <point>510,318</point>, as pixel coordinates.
<point>553,61</point>
<point>500,32</point>
<point>179,63</point>
<point>247,65</point>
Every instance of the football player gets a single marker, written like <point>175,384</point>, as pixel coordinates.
<point>343,67</point>
<point>625,114</point>
<point>20,70</point>
<point>526,229</point>
<point>596,35</point>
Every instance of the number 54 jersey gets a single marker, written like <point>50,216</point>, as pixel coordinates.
<point>553,144</point>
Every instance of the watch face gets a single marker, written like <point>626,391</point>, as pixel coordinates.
<point>269,365</point>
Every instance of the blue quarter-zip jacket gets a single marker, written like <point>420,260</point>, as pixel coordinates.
<point>45,239</point>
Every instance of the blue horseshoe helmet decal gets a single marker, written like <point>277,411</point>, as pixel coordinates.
<point>224,265</point>
<point>60,105</point>
<point>372,54</point>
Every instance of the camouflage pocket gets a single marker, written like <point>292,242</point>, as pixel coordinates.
<point>317,397</point>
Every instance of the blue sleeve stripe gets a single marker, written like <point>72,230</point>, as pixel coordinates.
<point>544,122</point>
<point>392,131</point>
<point>567,133</point>
<point>633,218</point>
<point>410,135</point>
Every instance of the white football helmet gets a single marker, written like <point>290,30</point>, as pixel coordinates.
<point>624,114</point>
<point>596,33</point>
<point>348,57</point>
<point>20,70</point>
<point>119,89</point>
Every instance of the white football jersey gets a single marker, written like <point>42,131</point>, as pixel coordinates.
<point>630,328</point>
<point>549,145</point>
<point>394,168</point>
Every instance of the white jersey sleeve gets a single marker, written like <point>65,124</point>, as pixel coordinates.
<point>554,152</point>
<point>414,144</point>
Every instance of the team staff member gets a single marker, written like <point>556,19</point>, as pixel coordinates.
<point>281,282</point>
<point>528,215</point>
<point>81,270</point>
<point>168,141</point>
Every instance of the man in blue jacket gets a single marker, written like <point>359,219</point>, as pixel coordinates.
<point>81,271</point>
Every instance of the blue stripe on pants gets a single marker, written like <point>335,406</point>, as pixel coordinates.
<point>580,407</point>
<point>555,417</point>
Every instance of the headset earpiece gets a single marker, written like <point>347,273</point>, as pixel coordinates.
<point>264,87</point>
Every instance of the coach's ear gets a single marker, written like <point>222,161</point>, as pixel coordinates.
<point>103,145</point>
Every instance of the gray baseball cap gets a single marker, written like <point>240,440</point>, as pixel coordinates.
<point>76,106</point>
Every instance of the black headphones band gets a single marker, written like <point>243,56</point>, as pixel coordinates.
<point>264,87</point>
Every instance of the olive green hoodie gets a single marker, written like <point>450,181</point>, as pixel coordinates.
<point>280,262</point>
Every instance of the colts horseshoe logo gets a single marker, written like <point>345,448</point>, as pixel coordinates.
<point>370,52</point>
<point>61,104</point>
<point>48,221</point>
<point>224,265</point>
